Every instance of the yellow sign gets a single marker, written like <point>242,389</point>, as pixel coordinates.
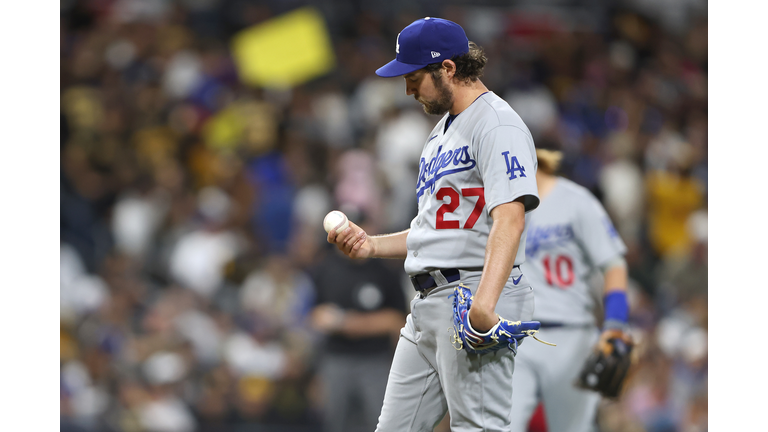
<point>284,51</point>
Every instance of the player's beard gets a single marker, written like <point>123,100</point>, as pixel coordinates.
<point>444,100</point>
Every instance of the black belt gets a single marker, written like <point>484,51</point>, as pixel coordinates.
<point>425,281</point>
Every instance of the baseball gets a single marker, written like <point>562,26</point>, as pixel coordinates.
<point>333,219</point>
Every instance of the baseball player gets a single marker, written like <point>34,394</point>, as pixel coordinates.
<point>569,237</point>
<point>475,189</point>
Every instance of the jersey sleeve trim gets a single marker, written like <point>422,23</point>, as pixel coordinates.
<point>530,201</point>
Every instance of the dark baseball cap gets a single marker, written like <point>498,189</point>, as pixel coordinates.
<point>425,41</point>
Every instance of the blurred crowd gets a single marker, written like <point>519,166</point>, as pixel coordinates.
<point>192,204</point>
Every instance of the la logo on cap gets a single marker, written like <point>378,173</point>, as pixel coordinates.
<point>397,44</point>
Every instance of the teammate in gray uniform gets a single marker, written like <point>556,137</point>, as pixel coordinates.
<point>475,189</point>
<point>569,237</point>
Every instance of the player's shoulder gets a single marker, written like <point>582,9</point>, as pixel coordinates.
<point>577,193</point>
<point>493,111</point>
<point>573,188</point>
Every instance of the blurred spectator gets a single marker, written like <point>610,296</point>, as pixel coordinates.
<point>136,219</point>
<point>358,184</point>
<point>359,309</point>
<point>536,106</point>
<point>672,196</point>
<point>398,154</point>
<point>272,219</point>
<point>621,181</point>
<point>197,262</point>
<point>276,298</point>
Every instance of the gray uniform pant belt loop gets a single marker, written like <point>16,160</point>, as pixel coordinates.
<point>439,278</point>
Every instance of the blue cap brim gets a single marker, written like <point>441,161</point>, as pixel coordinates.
<point>396,68</point>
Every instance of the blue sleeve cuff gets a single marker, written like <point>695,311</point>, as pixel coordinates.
<point>616,310</point>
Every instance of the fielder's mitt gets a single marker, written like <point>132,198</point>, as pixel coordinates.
<point>605,369</point>
<point>505,334</point>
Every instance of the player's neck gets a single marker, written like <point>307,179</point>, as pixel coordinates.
<point>545,183</point>
<point>464,95</point>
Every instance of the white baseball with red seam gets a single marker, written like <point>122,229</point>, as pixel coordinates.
<point>333,219</point>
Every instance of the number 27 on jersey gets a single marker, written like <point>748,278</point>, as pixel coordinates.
<point>454,200</point>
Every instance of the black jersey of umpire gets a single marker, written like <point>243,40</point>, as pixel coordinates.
<point>357,285</point>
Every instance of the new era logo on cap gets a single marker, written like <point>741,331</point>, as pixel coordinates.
<point>425,41</point>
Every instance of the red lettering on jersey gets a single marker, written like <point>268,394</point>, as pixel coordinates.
<point>480,194</point>
<point>453,204</point>
<point>560,282</point>
<point>449,207</point>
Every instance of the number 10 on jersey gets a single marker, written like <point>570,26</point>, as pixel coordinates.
<point>558,270</point>
<point>453,203</point>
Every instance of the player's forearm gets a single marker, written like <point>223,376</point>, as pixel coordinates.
<point>615,278</point>
<point>390,245</point>
<point>379,323</point>
<point>500,253</point>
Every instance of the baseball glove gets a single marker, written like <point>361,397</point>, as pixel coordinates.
<point>607,367</point>
<point>505,334</point>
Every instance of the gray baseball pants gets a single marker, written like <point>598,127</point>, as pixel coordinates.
<point>429,376</point>
<point>545,373</point>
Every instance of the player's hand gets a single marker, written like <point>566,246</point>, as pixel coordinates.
<point>481,320</point>
<point>353,241</point>
<point>603,343</point>
<point>502,334</point>
<point>327,318</point>
<point>607,367</point>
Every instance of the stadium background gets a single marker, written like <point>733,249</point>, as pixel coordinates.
<point>191,201</point>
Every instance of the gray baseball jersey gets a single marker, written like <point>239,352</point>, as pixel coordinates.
<point>569,236</point>
<point>485,158</point>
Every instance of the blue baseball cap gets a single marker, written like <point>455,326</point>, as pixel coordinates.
<point>425,41</point>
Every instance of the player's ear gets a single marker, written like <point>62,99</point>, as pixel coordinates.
<point>450,68</point>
